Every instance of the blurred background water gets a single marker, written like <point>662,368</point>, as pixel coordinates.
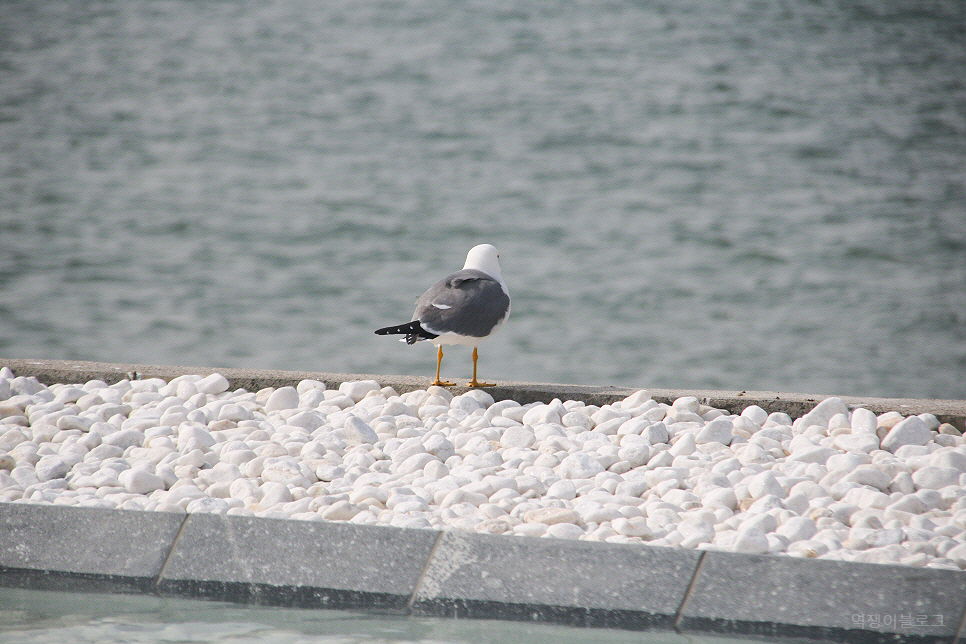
<point>697,193</point>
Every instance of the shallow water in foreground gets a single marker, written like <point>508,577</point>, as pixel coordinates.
<point>45,617</point>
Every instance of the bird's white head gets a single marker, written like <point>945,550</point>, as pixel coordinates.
<point>484,258</point>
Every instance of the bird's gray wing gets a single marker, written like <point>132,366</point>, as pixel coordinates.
<point>468,302</point>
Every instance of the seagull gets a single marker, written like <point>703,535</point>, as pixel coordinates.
<point>463,308</point>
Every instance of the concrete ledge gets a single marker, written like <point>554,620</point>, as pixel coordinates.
<point>86,541</point>
<point>337,564</point>
<point>576,582</point>
<point>793,404</point>
<point>327,565</point>
<point>783,596</point>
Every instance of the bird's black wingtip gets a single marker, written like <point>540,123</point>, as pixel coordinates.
<point>412,330</point>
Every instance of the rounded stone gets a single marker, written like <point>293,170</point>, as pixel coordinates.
<point>936,478</point>
<point>359,430</point>
<point>565,531</point>
<point>282,398</point>
<point>140,481</point>
<point>797,529</point>
<point>50,467</point>
<point>209,505</point>
<point>655,434</point>
<point>751,540</point>
<point>765,484</point>
<point>359,389</point>
<point>632,527</point>
<point>579,466</point>
<point>124,439</point>
<point>212,384</point>
<point>551,516</point>
<point>717,431</point>
<point>521,436</point>
<point>857,442</point>
<point>911,431</point>
<point>870,476</point>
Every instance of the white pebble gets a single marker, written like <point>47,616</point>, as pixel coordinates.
<point>655,434</point>
<point>635,456</point>
<point>124,439</point>
<point>816,454</point>
<point>212,384</point>
<point>140,481</point>
<point>797,529</point>
<point>716,431</point>
<point>936,478</point>
<point>565,531</point>
<point>540,414</point>
<point>359,431</point>
<point>531,529</point>
<point>209,505</point>
<point>765,484</point>
<point>911,431</point>
<point>563,489</point>
<point>752,453</point>
<point>863,421</point>
<point>357,390</point>
<point>340,511</point>
<point>51,467</point>
<point>755,414</point>
<point>823,412</point>
<point>722,497</point>
<point>577,420</point>
<point>751,540</point>
<point>684,446</point>
<point>857,442</point>
<point>869,475</point>
<point>632,527</point>
<point>282,398</point>
<point>273,493</point>
<point>461,495</point>
<point>807,549</point>
<point>949,458</point>
<point>695,532</point>
<point>520,436</point>
<point>579,466</point>
<point>551,516</point>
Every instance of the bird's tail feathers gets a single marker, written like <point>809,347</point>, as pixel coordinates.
<point>412,330</point>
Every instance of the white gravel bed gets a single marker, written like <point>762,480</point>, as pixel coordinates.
<point>835,484</point>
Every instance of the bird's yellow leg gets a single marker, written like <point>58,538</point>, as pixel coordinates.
<point>474,382</point>
<point>439,360</point>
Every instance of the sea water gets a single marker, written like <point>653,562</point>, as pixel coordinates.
<point>697,194</point>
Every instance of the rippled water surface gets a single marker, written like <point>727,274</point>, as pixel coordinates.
<point>701,194</point>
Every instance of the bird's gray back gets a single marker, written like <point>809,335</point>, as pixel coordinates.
<point>468,302</point>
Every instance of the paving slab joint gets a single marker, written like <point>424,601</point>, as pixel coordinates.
<point>958,637</point>
<point>156,584</point>
<point>687,593</point>
<point>422,574</point>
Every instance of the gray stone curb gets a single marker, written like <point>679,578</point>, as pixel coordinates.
<point>793,404</point>
<point>423,572</point>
